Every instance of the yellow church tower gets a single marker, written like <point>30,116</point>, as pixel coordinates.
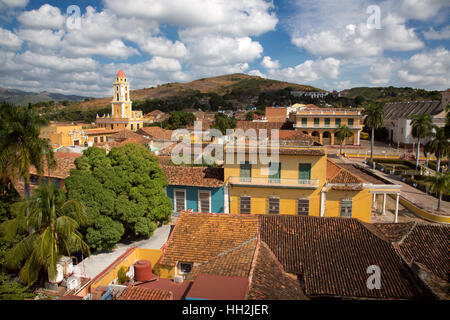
<point>122,114</point>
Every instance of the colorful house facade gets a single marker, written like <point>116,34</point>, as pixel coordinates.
<point>322,123</point>
<point>302,182</point>
<point>196,189</point>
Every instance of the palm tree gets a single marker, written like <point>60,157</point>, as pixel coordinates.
<point>20,145</point>
<point>439,145</point>
<point>49,225</point>
<point>374,120</point>
<point>342,133</point>
<point>421,128</point>
<point>439,184</point>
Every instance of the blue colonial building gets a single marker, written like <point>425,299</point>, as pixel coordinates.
<point>199,189</point>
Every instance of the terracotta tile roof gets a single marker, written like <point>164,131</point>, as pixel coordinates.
<point>139,293</point>
<point>97,131</point>
<point>333,254</point>
<point>206,125</point>
<point>234,262</point>
<point>164,160</point>
<point>429,245</point>
<point>269,281</point>
<point>158,115</point>
<point>364,176</point>
<point>293,135</point>
<point>198,237</point>
<point>339,175</point>
<point>64,163</point>
<point>258,125</point>
<point>156,133</point>
<point>392,232</point>
<point>125,134</point>
<point>216,287</point>
<point>194,176</point>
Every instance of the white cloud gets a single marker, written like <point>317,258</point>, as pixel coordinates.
<point>46,17</point>
<point>421,9</point>
<point>14,3</point>
<point>9,39</point>
<point>163,64</point>
<point>57,62</point>
<point>223,51</point>
<point>268,63</point>
<point>442,34</point>
<point>339,29</point>
<point>112,49</point>
<point>308,71</point>
<point>257,73</point>
<point>427,69</point>
<point>234,17</point>
<point>44,37</point>
<point>161,46</point>
<point>380,72</point>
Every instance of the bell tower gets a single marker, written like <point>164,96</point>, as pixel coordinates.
<point>121,102</point>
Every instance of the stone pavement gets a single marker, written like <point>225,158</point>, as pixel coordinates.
<point>96,263</point>
<point>421,199</point>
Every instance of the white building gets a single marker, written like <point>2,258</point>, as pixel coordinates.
<point>311,94</point>
<point>398,117</point>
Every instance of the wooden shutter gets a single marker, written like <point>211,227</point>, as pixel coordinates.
<point>245,205</point>
<point>274,176</point>
<point>274,205</point>
<point>180,201</point>
<point>304,171</point>
<point>303,207</point>
<point>204,201</point>
<point>346,208</point>
<point>246,172</point>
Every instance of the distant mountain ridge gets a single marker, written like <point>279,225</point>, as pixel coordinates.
<point>220,85</point>
<point>20,97</point>
<point>386,94</point>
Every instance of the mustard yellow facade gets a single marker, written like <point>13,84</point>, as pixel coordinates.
<point>64,134</point>
<point>290,190</point>
<point>322,123</point>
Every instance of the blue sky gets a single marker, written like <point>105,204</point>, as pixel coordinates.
<point>326,43</point>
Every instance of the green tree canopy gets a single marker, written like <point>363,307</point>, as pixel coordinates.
<point>20,145</point>
<point>50,226</point>
<point>223,122</point>
<point>123,192</point>
<point>179,119</point>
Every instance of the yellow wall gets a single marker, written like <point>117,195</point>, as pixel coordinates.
<point>361,207</point>
<point>289,167</point>
<point>153,255</point>
<point>59,134</point>
<point>288,199</point>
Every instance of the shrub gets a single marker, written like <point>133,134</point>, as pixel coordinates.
<point>122,275</point>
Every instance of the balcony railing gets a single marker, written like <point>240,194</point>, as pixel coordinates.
<point>274,182</point>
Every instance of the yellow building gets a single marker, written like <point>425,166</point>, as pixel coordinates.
<point>64,134</point>
<point>122,117</point>
<point>305,183</point>
<point>122,114</point>
<point>322,123</point>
